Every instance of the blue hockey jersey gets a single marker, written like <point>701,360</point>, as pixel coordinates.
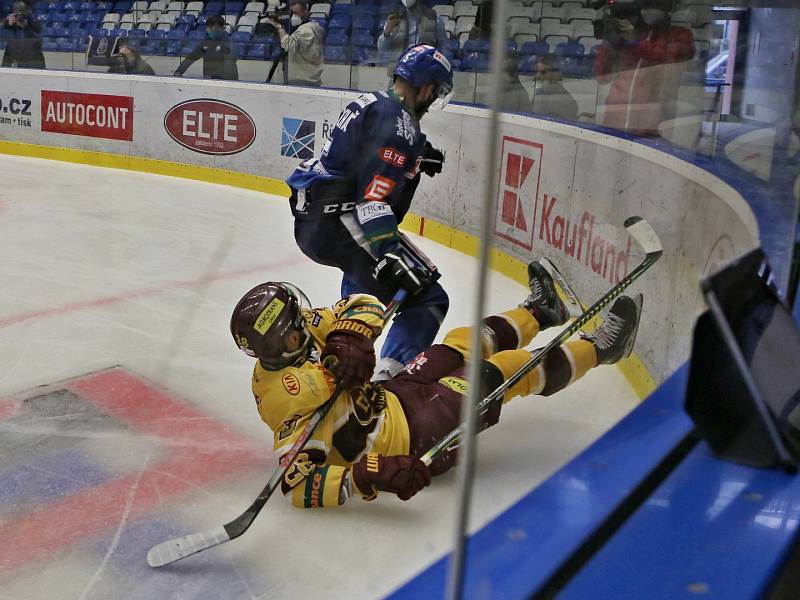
<point>376,147</point>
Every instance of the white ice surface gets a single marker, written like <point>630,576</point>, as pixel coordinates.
<point>102,267</point>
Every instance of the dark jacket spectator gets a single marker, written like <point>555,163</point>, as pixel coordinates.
<point>219,61</point>
<point>24,50</point>
<point>128,61</point>
<point>550,97</point>
<point>644,64</point>
<point>415,24</point>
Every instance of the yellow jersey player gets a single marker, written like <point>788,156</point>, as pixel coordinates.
<point>372,438</point>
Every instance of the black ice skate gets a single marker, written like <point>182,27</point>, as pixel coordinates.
<point>544,301</point>
<point>614,339</point>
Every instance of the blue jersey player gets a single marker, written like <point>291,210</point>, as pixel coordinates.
<point>347,204</point>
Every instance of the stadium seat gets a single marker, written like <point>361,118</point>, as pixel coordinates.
<point>363,40</point>
<point>553,12</point>
<point>159,5</point>
<point>250,19</point>
<point>340,21</point>
<point>256,52</point>
<point>444,10</point>
<point>335,38</point>
<point>335,54</point>
<point>140,6</point>
<point>539,47</point>
<point>255,8</point>
<point>213,8</point>
<point>569,49</point>
<point>194,9</point>
<point>234,8</point>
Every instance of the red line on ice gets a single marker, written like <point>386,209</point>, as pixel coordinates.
<point>206,452</point>
<point>142,292</point>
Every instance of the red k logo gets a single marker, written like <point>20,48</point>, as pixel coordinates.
<point>520,168</point>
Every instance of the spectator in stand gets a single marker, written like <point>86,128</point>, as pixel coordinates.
<point>24,50</point>
<point>303,45</point>
<point>643,58</point>
<point>219,61</point>
<point>128,61</point>
<point>513,98</point>
<point>550,97</point>
<point>417,23</point>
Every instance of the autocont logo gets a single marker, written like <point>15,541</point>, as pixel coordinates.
<point>210,126</point>
<point>88,115</point>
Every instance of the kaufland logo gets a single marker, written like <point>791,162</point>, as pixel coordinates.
<point>297,138</point>
<point>518,189</point>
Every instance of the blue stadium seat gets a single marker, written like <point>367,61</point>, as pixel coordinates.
<point>240,37</point>
<point>340,9</point>
<point>480,46</point>
<point>475,61</point>
<point>41,6</point>
<point>336,38</point>
<point>273,51</point>
<point>123,6</point>
<point>213,8</point>
<point>335,54</point>
<point>196,35</point>
<point>175,34</point>
<point>323,22</point>
<point>577,66</point>
<point>152,47</point>
<point>50,44</point>
<point>173,47</point>
<point>136,33</point>
<point>156,34</point>
<point>539,47</point>
<point>364,22</point>
<point>185,20</point>
<point>64,44</point>
<point>118,33</point>
<point>106,6</point>
<point>234,8</point>
<point>340,21</point>
<point>569,49</point>
<point>99,33</point>
<point>527,64</point>
<point>257,52</point>
<point>363,41</point>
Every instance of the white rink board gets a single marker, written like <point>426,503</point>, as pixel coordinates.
<point>703,222</point>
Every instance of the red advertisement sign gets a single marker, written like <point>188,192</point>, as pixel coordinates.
<point>89,115</point>
<point>520,167</point>
<point>210,126</point>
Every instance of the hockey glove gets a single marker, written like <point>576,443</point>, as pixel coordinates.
<point>392,271</point>
<point>350,341</point>
<point>369,402</point>
<point>400,475</point>
<point>432,160</point>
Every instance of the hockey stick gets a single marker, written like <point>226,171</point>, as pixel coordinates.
<point>647,239</point>
<point>175,549</point>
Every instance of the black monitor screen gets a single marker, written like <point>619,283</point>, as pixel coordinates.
<point>767,338</point>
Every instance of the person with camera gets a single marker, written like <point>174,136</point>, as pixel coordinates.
<point>416,23</point>
<point>24,50</point>
<point>303,46</point>
<point>643,58</point>
<point>219,61</point>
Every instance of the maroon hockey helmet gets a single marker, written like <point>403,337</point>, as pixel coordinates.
<point>264,318</point>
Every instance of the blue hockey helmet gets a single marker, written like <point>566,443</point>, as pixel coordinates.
<point>424,64</point>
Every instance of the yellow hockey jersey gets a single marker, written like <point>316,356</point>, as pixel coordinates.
<point>286,399</point>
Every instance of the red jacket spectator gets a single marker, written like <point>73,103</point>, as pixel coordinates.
<point>646,74</point>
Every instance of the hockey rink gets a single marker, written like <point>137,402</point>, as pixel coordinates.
<point>117,289</point>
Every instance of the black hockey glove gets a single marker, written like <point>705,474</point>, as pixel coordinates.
<point>392,270</point>
<point>432,160</point>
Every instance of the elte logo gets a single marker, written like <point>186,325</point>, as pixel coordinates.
<point>210,126</point>
<point>297,138</point>
<point>518,190</point>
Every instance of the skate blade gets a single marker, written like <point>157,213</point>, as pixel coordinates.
<point>563,289</point>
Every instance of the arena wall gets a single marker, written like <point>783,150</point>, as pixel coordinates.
<point>563,191</point>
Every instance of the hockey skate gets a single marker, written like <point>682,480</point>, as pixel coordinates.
<point>544,302</point>
<point>614,339</point>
